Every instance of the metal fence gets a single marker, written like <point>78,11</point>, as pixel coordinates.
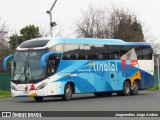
<point>4,81</point>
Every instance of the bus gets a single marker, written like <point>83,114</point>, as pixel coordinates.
<point>46,67</point>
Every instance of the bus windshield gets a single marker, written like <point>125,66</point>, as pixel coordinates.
<point>26,66</point>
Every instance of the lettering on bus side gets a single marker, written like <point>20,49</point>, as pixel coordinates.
<point>105,67</point>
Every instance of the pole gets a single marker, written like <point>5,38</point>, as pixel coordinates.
<point>50,16</point>
<point>50,24</point>
<point>158,70</point>
<point>53,5</point>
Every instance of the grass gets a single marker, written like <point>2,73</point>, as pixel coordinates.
<point>155,87</point>
<point>4,94</point>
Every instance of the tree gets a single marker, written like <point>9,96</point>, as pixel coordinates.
<point>103,23</point>
<point>30,32</point>
<point>15,40</point>
<point>92,24</point>
<point>27,33</point>
<point>4,48</point>
<point>124,25</point>
<point>3,35</point>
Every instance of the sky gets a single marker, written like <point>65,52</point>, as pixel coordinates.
<point>20,13</point>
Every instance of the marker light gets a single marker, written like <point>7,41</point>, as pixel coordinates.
<point>32,87</point>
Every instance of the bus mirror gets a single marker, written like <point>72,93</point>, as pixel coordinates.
<point>5,61</point>
<point>43,59</point>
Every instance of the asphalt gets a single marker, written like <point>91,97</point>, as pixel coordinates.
<point>144,101</point>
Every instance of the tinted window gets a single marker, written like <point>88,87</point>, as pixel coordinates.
<point>147,53</point>
<point>114,52</point>
<point>124,49</point>
<point>71,51</point>
<point>84,52</point>
<point>143,53</point>
<point>104,52</point>
<point>34,43</point>
<point>99,52</point>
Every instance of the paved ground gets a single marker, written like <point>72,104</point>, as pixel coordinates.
<point>145,101</point>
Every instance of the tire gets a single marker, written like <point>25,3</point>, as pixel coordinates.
<point>135,89</point>
<point>67,92</point>
<point>38,99</point>
<point>126,89</point>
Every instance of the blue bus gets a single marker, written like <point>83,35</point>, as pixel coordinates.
<point>46,67</point>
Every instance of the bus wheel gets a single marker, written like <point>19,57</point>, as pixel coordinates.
<point>135,89</point>
<point>38,99</point>
<point>67,92</point>
<point>126,88</point>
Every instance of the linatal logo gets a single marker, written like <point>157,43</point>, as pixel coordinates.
<point>108,66</point>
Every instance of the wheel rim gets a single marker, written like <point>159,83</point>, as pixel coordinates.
<point>68,92</point>
<point>127,88</point>
<point>135,88</point>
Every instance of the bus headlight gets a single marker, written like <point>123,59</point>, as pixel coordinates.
<point>41,86</point>
<point>13,88</point>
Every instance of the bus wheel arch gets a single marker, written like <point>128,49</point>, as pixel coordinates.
<point>38,98</point>
<point>126,91</point>
<point>72,85</point>
<point>126,87</point>
<point>69,89</point>
<point>135,87</point>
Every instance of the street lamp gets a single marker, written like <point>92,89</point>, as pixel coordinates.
<point>52,24</point>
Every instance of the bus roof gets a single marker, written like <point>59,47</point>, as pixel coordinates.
<point>95,41</point>
<point>47,42</point>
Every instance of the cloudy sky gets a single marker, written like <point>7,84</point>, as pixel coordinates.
<point>19,13</point>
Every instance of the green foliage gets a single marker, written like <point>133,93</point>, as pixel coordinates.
<point>155,87</point>
<point>27,33</point>
<point>15,40</point>
<point>30,32</point>
<point>117,23</point>
<point>129,29</point>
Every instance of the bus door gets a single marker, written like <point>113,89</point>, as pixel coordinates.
<point>113,80</point>
<point>51,69</point>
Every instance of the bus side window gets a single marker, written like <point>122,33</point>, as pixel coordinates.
<point>105,56</point>
<point>100,56</point>
<point>73,57</point>
<point>52,64</point>
<point>50,67</point>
